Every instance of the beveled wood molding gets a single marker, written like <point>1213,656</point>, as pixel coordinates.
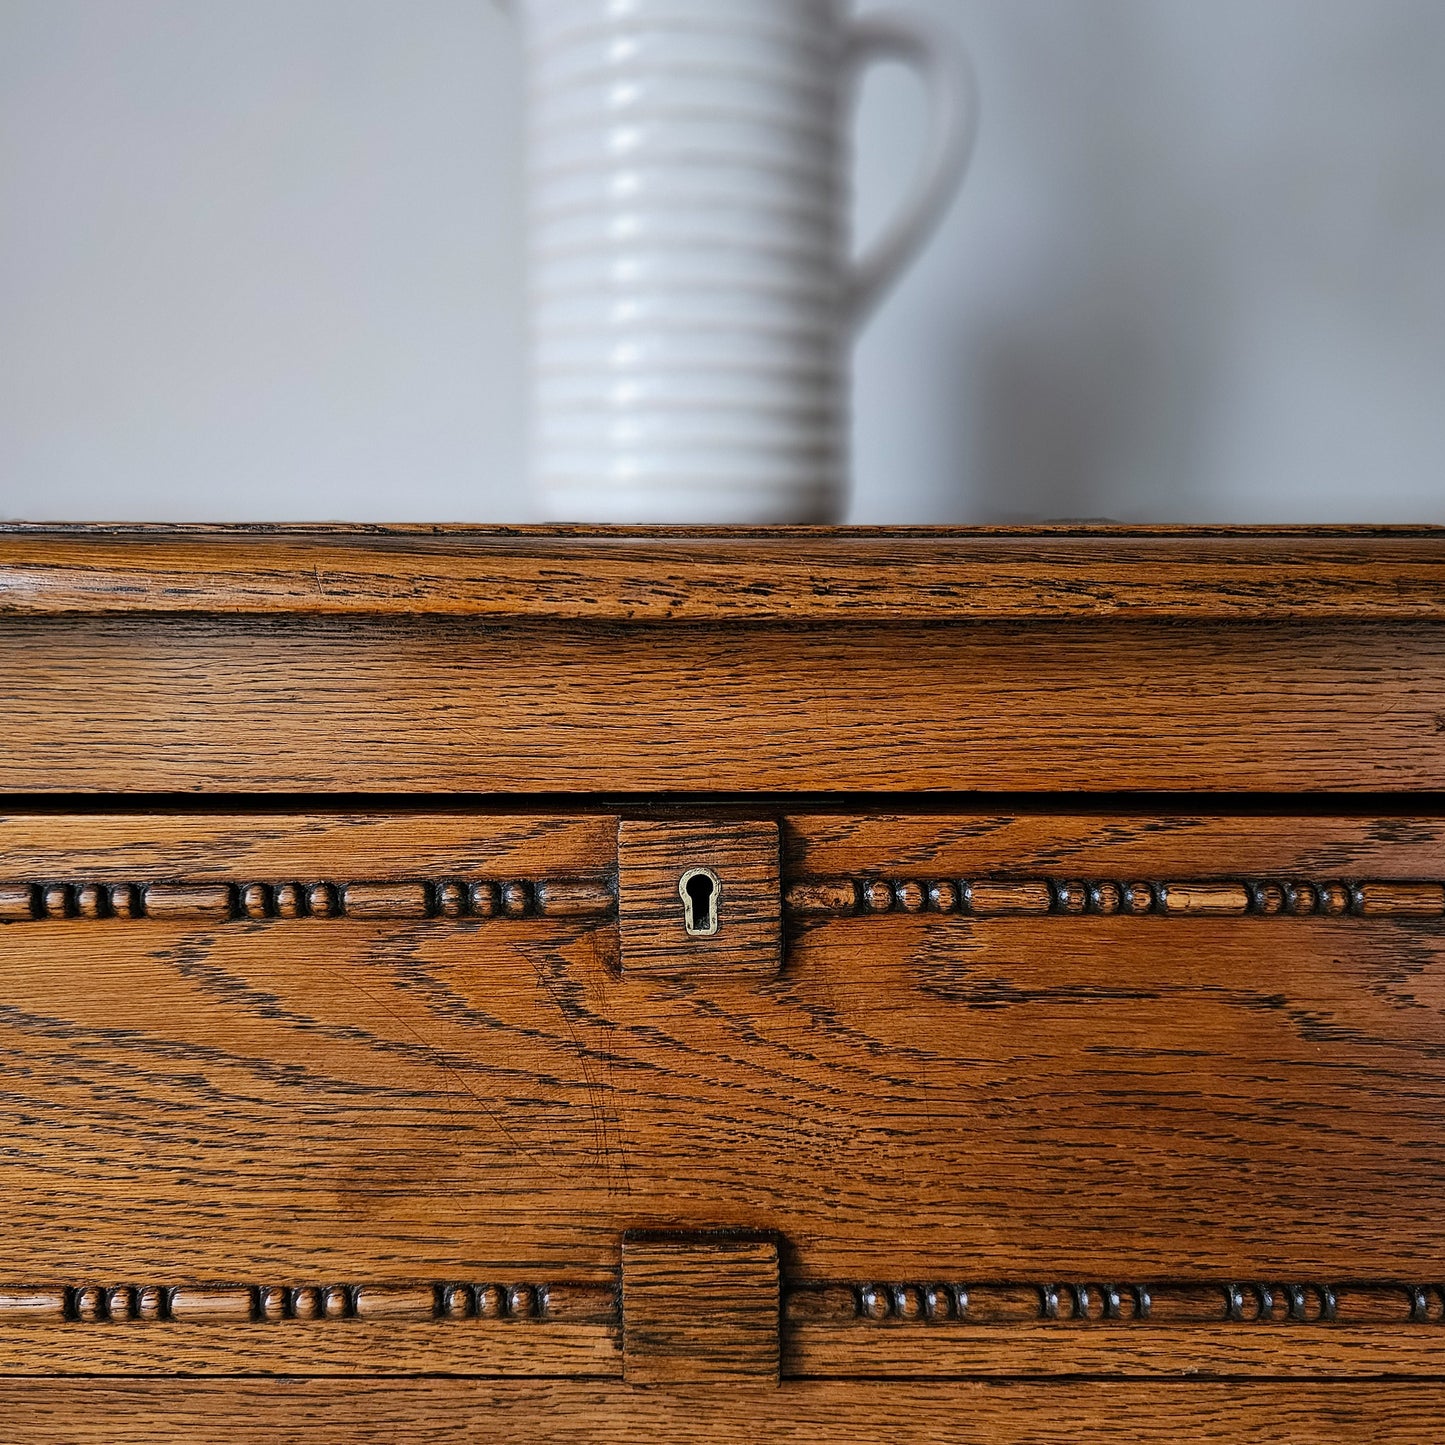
<point>222,902</point>
<point>711,1281</point>
<point>1167,1330</point>
<point>700,1313</point>
<point>866,895</point>
<point>1230,1302</point>
<point>796,574</point>
<point>803,898</point>
<point>274,1304</point>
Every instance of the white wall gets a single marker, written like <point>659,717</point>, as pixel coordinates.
<point>261,259</point>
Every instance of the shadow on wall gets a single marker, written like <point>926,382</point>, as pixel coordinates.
<point>1058,418</point>
<point>1082,380</point>
<point>1195,275</point>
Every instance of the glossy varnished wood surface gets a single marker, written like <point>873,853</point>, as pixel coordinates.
<point>871,1412</point>
<point>1042,1350</point>
<point>799,574</point>
<point>395,1350</point>
<point>1120,842</point>
<point>1103,1102</point>
<point>441,705</point>
<point>653,855</point>
<point>1036,1096</point>
<point>384,843</point>
<point>300,1099</point>
<point>699,1309</point>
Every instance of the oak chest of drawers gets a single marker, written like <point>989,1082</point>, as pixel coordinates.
<point>786,985</point>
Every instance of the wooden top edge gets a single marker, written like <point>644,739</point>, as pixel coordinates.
<point>791,574</point>
<point>600,535</point>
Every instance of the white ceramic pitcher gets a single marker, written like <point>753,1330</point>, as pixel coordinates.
<point>693,299</point>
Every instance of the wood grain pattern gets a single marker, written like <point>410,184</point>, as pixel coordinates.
<point>566,1303</point>
<point>184,866</point>
<point>547,1328</point>
<point>423,1100</point>
<point>374,1100</point>
<point>699,1309</point>
<point>1235,1328</point>
<point>1035,1095</point>
<point>740,857</point>
<point>1079,1083</point>
<point>1001,897</point>
<point>817,1351</point>
<point>1122,842</point>
<point>392,898</point>
<point>210,1099</point>
<point>160,845</point>
<point>208,1346</point>
<point>869,1412</point>
<point>707,574</point>
<point>693,1312</point>
<point>443,705</point>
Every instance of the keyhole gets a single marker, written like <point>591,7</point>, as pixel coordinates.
<point>699,890</point>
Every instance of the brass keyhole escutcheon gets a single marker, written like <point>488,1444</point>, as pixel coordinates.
<point>700,890</point>
<point>718,878</point>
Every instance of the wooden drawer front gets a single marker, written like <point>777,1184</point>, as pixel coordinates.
<point>284,1093</point>
<point>436,705</point>
<point>1167,1090</point>
<point>1022,1094</point>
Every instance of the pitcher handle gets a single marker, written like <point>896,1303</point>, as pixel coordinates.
<point>948,75</point>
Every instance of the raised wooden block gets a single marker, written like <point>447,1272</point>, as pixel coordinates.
<point>699,1309</point>
<point>699,894</point>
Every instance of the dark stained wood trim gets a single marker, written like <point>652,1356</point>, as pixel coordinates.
<point>1192,1302</point>
<point>802,898</point>
<point>221,1304</point>
<point>220,901</point>
<point>710,1312</point>
<point>802,575</point>
<point>868,895</point>
<point>682,1266</point>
